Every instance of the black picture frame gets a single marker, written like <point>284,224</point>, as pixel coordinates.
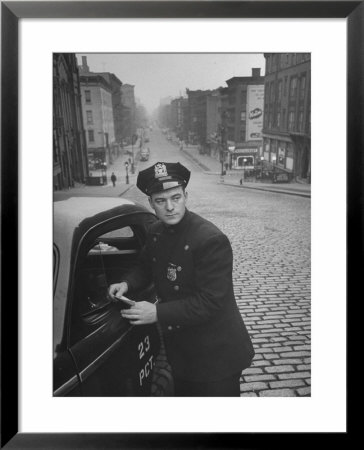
<point>11,13</point>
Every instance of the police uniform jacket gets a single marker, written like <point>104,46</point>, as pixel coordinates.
<point>191,265</point>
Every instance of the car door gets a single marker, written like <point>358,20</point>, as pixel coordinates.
<point>65,376</point>
<point>112,357</point>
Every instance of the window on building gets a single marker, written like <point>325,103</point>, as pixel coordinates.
<point>291,120</point>
<point>281,153</point>
<point>284,118</point>
<point>293,88</point>
<point>243,116</point>
<point>302,87</point>
<point>294,59</point>
<point>282,60</point>
<point>285,86</point>
<point>300,121</point>
<point>279,90</point>
<point>267,93</point>
<point>287,59</point>
<point>242,134</point>
<point>91,136</point>
<point>88,96</point>
<point>275,61</point>
<point>272,92</point>
<point>278,120</point>
<point>270,123</point>
<point>89,117</point>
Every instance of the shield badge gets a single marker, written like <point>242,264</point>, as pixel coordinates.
<point>171,272</point>
<point>160,170</point>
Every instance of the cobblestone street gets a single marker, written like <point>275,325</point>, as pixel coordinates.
<point>270,236</point>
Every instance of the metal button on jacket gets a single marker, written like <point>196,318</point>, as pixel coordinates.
<point>176,288</point>
<point>170,328</point>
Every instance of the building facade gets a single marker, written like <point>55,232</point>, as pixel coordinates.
<point>287,118</point>
<point>69,145</point>
<point>213,124</point>
<point>128,112</point>
<point>244,120</point>
<point>117,106</point>
<point>179,117</point>
<point>197,117</point>
<point>98,117</point>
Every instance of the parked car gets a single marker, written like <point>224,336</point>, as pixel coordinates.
<point>96,351</point>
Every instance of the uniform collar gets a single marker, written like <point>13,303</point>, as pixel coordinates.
<point>173,229</point>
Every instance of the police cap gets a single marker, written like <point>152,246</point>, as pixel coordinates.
<point>162,176</point>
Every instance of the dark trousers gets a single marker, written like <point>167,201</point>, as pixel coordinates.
<point>228,387</point>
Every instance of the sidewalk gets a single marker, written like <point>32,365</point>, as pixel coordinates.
<point>212,166</point>
<point>107,190</point>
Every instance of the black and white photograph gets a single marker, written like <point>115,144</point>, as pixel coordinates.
<point>180,185</point>
<point>182,224</point>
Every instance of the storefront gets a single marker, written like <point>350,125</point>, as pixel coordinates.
<point>245,156</point>
<point>279,152</point>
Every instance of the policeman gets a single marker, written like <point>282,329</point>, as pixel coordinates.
<point>190,261</point>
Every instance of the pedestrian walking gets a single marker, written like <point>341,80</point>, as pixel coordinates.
<point>190,261</point>
<point>113,179</point>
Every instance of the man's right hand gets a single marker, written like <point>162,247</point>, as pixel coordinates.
<point>118,289</point>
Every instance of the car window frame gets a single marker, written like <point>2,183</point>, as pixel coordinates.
<point>56,264</point>
<point>90,235</point>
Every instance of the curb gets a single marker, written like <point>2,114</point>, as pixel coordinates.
<point>277,191</point>
<point>126,190</point>
<point>199,163</point>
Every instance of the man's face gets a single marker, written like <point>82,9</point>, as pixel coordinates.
<point>170,205</point>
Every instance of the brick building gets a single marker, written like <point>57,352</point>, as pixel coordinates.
<point>197,116</point>
<point>69,146</point>
<point>214,123</point>
<point>287,118</point>
<point>179,117</point>
<point>117,105</point>
<point>244,119</point>
<point>128,112</point>
<point>98,116</point>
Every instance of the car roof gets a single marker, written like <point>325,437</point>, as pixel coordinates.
<point>68,214</point>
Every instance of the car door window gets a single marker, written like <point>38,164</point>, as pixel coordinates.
<point>103,258</point>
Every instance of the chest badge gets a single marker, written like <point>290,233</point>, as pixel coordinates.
<point>172,272</point>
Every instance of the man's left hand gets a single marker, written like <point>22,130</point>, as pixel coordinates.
<point>141,313</point>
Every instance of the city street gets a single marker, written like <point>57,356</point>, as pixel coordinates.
<point>270,236</point>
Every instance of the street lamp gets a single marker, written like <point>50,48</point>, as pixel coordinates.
<point>127,171</point>
<point>103,172</point>
<point>274,158</point>
<point>132,152</point>
<point>244,162</point>
<point>261,167</point>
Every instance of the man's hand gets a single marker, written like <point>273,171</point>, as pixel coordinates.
<point>118,289</point>
<point>141,313</point>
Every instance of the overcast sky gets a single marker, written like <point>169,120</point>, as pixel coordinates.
<point>157,76</point>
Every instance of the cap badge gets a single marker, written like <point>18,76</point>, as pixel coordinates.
<point>160,170</point>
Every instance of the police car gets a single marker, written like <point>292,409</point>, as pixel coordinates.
<point>96,351</point>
